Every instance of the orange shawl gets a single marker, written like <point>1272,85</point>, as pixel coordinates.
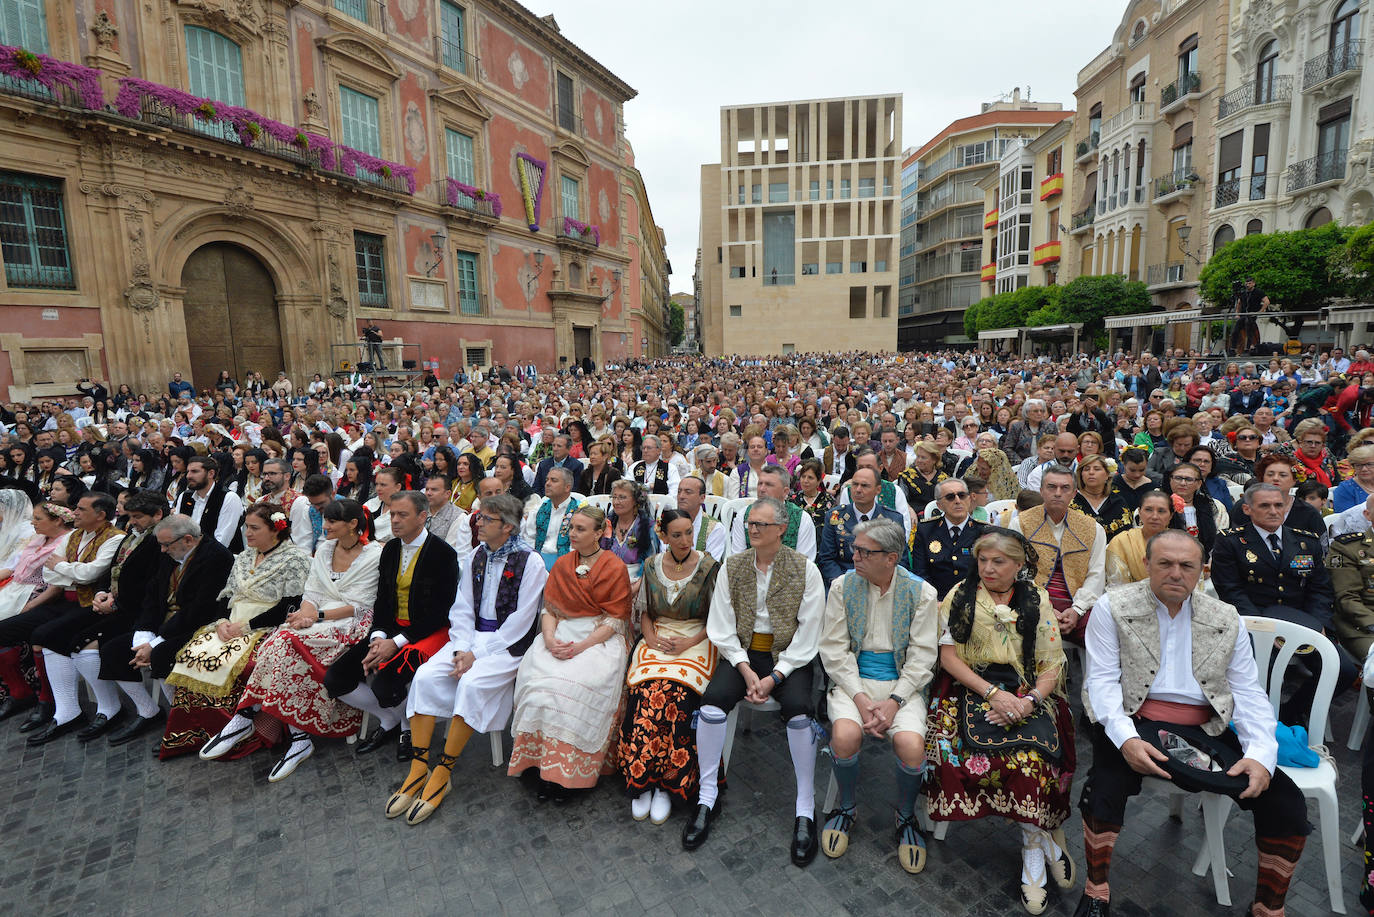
<point>604,590</point>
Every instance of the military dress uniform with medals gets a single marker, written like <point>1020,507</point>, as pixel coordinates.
<point>939,559</point>
<point>835,554</point>
<point>1351,563</point>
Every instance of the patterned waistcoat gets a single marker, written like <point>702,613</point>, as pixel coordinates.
<point>85,592</point>
<point>786,586</point>
<point>1214,628</point>
<point>907,592</point>
<point>1074,552</point>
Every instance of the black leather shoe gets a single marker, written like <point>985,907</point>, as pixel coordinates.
<point>804,841</point>
<point>134,728</point>
<point>40,716</point>
<point>404,750</point>
<point>1096,907</point>
<point>698,827</point>
<point>378,739</point>
<point>53,731</point>
<point>99,725</point>
<point>12,705</point>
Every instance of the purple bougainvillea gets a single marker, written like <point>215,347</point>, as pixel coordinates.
<point>580,230</point>
<point>457,189</point>
<point>51,73</point>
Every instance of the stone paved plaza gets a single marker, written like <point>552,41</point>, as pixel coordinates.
<point>102,832</point>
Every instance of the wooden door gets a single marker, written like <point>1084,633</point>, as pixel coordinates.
<point>231,315</point>
<point>582,344</point>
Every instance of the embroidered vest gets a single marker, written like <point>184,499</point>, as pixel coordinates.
<point>507,593</point>
<point>541,526</point>
<point>1214,628</point>
<point>743,472</point>
<point>1074,553</point>
<point>715,486</point>
<point>660,485</point>
<point>707,524</point>
<point>789,535</point>
<point>786,586</point>
<point>126,547</point>
<point>906,593</point>
<point>403,579</point>
<point>85,592</point>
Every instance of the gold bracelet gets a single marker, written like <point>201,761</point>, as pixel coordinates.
<point>991,692</point>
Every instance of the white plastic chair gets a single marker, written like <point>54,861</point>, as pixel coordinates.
<point>1236,490</point>
<point>600,501</point>
<point>731,721</point>
<point>658,503</point>
<point>713,505</point>
<point>1331,521</point>
<point>997,507</point>
<point>1318,782</point>
<point>831,481</point>
<point>728,513</point>
<point>929,512</point>
<point>1361,724</point>
<point>580,498</point>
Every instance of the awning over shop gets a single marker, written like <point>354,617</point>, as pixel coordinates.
<point>1354,316</point>
<point>1182,315</point>
<point>1073,327</point>
<point>1133,321</point>
<point>999,334</point>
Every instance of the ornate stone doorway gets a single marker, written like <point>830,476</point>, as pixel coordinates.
<point>231,315</point>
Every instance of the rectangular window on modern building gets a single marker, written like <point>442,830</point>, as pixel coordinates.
<point>867,187</point>
<point>756,193</point>
<point>815,190</point>
<point>844,189</point>
<point>452,36</point>
<point>779,249</point>
<point>777,192</point>
<point>458,147</point>
<point>834,267</point>
<point>370,253</point>
<point>361,121</point>
<point>736,311</point>
<point>469,295</point>
<point>572,198</point>
<point>33,233</point>
<point>567,105</point>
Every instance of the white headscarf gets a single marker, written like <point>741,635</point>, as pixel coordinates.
<point>16,521</point>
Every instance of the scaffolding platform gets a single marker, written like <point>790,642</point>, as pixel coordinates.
<point>404,366</point>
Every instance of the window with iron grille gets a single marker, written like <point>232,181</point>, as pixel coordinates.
<point>370,252</point>
<point>33,233</point>
<point>476,356</point>
<point>567,105</point>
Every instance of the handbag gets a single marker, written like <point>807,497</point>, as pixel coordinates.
<point>1035,733</point>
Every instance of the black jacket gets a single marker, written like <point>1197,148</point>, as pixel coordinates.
<point>432,589</point>
<point>936,560</point>
<point>1248,575</point>
<point>206,571</point>
<point>542,473</point>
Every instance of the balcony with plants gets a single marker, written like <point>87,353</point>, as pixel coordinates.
<point>1178,184</point>
<point>580,234</point>
<point>1082,221</point>
<point>1087,148</point>
<point>1180,92</point>
<point>471,203</point>
<point>41,78</point>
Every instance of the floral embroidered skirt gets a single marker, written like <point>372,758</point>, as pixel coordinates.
<point>1022,785</point>
<point>658,746</point>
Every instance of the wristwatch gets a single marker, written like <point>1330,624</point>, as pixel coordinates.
<point>901,701</point>
<point>320,619</point>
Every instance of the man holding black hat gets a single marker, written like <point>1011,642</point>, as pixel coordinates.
<point>1167,664</point>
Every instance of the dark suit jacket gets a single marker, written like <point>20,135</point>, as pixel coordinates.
<point>542,472</point>
<point>1248,575</point>
<point>945,567</point>
<point>835,553</point>
<point>206,571</point>
<point>1245,404</point>
<point>432,589</point>
<point>136,576</point>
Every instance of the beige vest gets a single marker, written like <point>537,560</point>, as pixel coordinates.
<point>786,586</point>
<point>1215,625</point>
<point>1075,552</point>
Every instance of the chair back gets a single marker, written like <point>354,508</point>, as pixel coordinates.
<point>580,498</point>
<point>601,502</point>
<point>713,506</point>
<point>997,507</point>
<point>658,502</point>
<point>730,511</point>
<point>831,481</point>
<point>929,512</point>
<point>1272,637</point>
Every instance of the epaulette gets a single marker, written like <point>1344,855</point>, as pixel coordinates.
<point>1309,534</point>
<point>1233,531</point>
<point>1350,537</point>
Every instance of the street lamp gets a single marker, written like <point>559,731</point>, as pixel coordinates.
<point>436,242</point>
<point>1184,231</point>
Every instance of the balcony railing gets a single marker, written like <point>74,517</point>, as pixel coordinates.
<point>1176,182</point>
<point>452,55</point>
<point>1168,272</point>
<point>470,200</point>
<point>774,279</point>
<point>1329,166</point>
<point>1255,92</point>
<point>1087,145</point>
<point>577,231</point>
<point>1185,85</point>
<point>1234,190</point>
<point>159,114</point>
<point>1136,111</point>
<point>47,79</point>
<point>1082,219</point>
<point>1228,192</point>
<point>1340,59</point>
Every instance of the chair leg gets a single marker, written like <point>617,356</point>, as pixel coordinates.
<point>831,791</point>
<point>731,722</point>
<point>941,829</point>
<point>498,751</point>
<point>1176,806</point>
<point>1215,808</point>
<point>1358,836</point>
<point>1359,727</point>
<point>362,729</point>
<point>1331,845</point>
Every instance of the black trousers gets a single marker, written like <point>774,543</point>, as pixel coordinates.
<point>17,630</point>
<point>116,652</point>
<point>390,683</point>
<point>1280,811</point>
<point>727,687</point>
<point>71,627</point>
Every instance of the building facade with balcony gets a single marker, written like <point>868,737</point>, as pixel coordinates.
<point>1025,204</point>
<point>799,228</point>
<point>947,256</point>
<point>1143,148</point>
<point>646,247</point>
<point>197,185</point>
<point>1295,127</point>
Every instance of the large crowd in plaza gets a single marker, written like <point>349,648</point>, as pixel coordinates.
<point>609,562</point>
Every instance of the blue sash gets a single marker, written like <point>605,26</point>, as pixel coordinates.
<point>878,666</point>
<point>487,625</point>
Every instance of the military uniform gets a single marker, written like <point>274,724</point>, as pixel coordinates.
<point>835,554</point>
<point>1351,563</point>
<point>939,559</point>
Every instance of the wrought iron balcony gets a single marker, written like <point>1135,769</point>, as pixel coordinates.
<point>1255,92</point>
<point>1228,192</point>
<point>1162,274</point>
<point>1341,59</point>
<point>1179,89</point>
<point>1087,145</point>
<point>1177,183</point>
<point>1083,219</point>
<point>452,56</point>
<point>1329,166</point>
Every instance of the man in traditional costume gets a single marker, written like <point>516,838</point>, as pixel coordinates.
<point>799,532</point>
<point>708,534</point>
<point>654,474</point>
<point>1071,548</point>
<point>546,525</point>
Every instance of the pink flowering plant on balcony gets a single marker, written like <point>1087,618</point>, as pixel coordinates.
<point>458,190</point>
<point>26,66</point>
<point>576,229</point>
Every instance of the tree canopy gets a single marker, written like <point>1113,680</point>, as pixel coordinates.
<point>1354,263</point>
<point>1299,270</point>
<point>1087,299</point>
<point>677,324</point>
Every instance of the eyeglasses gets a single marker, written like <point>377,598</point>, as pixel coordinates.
<point>961,495</point>
<point>756,524</point>
<point>1188,480</point>
<point>1246,437</point>
<point>865,553</point>
<point>489,518</point>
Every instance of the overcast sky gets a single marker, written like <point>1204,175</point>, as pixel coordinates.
<point>687,60</point>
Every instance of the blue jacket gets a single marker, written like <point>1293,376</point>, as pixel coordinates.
<point>835,553</point>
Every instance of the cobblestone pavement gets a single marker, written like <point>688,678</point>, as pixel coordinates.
<point>99,832</point>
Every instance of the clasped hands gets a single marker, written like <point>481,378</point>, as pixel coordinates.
<point>1006,708</point>
<point>877,715</point>
<point>565,649</point>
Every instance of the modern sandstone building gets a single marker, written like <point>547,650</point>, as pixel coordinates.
<point>799,228</point>
<point>200,185</point>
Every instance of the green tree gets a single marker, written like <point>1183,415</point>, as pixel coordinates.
<point>973,319</point>
<point>1092,298</point>
<point>1353,262</point>
<point>1298,270</point>
<point>677,324</point>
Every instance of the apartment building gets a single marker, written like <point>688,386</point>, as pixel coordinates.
<point>197,185</point>
<point>942,277</point>
<point>799,227</point>
<point>1143,152</point>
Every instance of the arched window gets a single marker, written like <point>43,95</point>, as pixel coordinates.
<point>1319,217</point>
<point>1254,227</point>
<point>1138,32</point>
<point>1345,25</point>
<point>214,66</point>
<point>1264,72</point>
<point>1224,237</point>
